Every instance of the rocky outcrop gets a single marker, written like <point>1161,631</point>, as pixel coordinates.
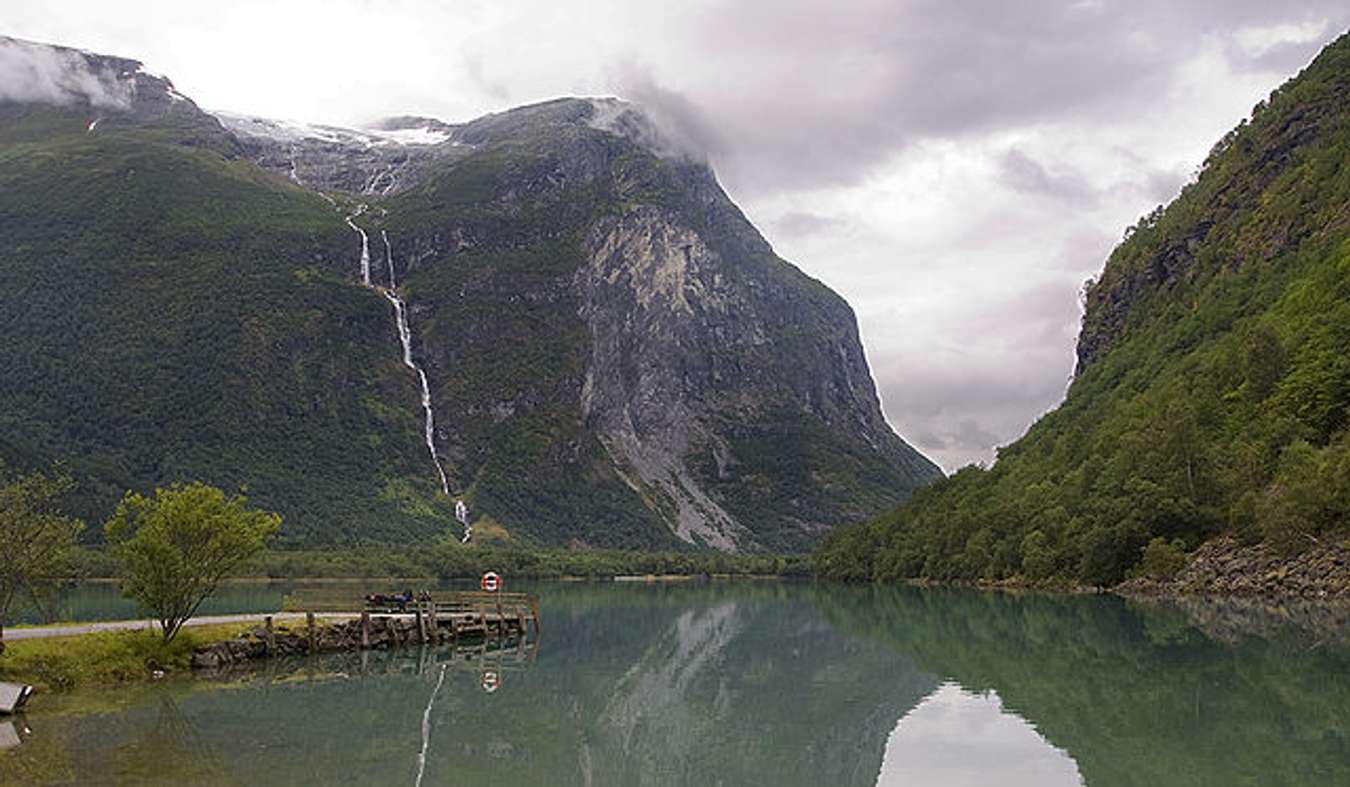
<point>684,341</point>
<point>1225,567</point>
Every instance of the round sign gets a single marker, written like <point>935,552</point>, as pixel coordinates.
<point>490,680</point>
<point>492,582</point>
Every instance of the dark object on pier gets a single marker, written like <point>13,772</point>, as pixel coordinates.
<point>388,602</point>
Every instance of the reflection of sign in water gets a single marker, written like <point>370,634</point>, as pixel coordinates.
<point>492,582</point>
<point>11,734</point>
<point>491,681</point>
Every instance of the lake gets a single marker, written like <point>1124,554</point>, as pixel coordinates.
<point>746,683</point>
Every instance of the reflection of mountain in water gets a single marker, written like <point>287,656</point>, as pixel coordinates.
<point>1136,695</point>
<point>738,693</point>
<point>731,685</point>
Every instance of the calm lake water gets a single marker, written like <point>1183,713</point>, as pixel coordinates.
<point>747,683</point>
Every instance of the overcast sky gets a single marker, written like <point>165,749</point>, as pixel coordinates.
<point>954,168</point>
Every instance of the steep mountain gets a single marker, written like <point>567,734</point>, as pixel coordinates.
<point>1211,389</point>
<point>552,314</point>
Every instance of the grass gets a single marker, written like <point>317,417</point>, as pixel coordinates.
<point>105,658</point>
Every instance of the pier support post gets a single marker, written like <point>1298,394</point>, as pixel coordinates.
<point>309,625</point>
<point>365,631</point>
<point>269,636</point>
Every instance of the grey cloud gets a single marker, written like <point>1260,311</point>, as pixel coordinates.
<point>797,223</point>
<point>972,437</point>
<point>998,367</point>
<point>869,78</point>
<point>670,122</point>
<point>1162,185</point>
<point>52,75</point>
<point>1027,175</point>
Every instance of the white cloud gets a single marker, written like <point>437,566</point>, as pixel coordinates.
<point>57,76</point>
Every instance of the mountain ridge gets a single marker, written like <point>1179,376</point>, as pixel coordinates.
<point>614,356</point>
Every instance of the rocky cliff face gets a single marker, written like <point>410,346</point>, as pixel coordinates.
<point>1241,167</point>
<point>692,371</point>
<point>612,353</point>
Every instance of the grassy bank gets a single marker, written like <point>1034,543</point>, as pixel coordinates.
<point>456,561</point>
<point>104,658</point>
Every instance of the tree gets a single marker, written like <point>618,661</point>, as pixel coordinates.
<point>176,547</point>
<point>36,540</point>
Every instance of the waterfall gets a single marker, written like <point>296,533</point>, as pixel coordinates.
<point>295,174</point>
<point>462,514</point>
<point>405,340</point>
<point>365,245</point>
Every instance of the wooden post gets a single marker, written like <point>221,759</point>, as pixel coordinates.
<point>421,629</point>
<point>269,637</point>
<point>365,631</point>
<point>309,625</point>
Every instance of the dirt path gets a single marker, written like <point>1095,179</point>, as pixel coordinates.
<point>75,629</point>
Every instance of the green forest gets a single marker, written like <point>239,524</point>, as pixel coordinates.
<point>1211,394</point>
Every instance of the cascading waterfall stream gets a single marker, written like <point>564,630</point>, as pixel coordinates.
<point>365,244</point>
<point>405,338</point>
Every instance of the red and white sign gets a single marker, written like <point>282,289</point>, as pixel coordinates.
<point>492,582</point>
<point>490,680</point>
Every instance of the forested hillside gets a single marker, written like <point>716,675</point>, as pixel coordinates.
<point>174,313</point>
<point>1212,383</point>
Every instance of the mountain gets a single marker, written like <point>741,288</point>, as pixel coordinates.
<point>553,314</point>
<point>1211,389</point>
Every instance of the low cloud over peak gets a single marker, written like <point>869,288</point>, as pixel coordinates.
<point>32,72</point>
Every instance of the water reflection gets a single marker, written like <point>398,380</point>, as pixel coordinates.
<point>956,738</point>
<point>12,732</point>
<point>750,684</point>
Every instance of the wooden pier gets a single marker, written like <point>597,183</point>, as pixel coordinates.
<point>435,617</point>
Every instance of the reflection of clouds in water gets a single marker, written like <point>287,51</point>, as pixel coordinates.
<point>956,738</point>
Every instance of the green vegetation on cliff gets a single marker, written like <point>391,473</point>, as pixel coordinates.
<point>1213,381</point>
<point>172,315</point>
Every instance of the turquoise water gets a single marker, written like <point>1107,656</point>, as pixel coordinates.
<point>753,683</point>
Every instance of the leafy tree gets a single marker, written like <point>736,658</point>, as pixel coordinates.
<point>1162,559</point>
<point>1263,364</point>
<point>36,539</point>
<point>176,547</point>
